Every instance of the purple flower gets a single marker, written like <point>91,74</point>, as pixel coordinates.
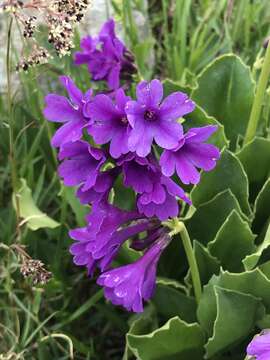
<point>260,346</point>
<point>158,194</point>
<point>191,153</point>
<point>81,165</point>
<point>69,111</point>
<point>110,122</point>
<point>129,285</point>
<point>162,200</point>
<point>99,242</point>
<point>101,189</point>
<point>139,173</point>
<point>106,56</point>
<point>152,119</point>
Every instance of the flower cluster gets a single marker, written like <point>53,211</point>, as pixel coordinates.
<point>128,135</point>
<point>107,57</point>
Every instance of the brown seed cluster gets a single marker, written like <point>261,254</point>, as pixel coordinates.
<point>39,55</point>
<point>60,18</point>
<point>35,270</point>
<point>31,268</point>
<point>29,26</point>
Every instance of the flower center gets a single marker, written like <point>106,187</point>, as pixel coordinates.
<point>149,115</point>
<point>124,120</point>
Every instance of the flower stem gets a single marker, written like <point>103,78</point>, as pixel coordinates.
<point>12,156</point>
<point>259,98</point>
<point>179,228</point>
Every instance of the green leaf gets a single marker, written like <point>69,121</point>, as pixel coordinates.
<point>261,207</point>
<point>143,51</point>
<point>236,316</point>
<point>253,283</point>
<point>170,86</point>
<point>209,217</point>
<point>140,324</point>
<point>207,264</point>
<point>226,90</point>
<point>198,118</point>
<point>251,261</point>
<point>233,242</point>
<point>171,302</point>
<point>255,157</point>
<point>172,283</point>
<point>228,174</point>
<point>79,210</point>
<point>33,217</point>
<point>175,340</point>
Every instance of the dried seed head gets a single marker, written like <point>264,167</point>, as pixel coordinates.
<point>29,27</point>
<point>35,270</point>
<point>60,16</point>
<point>38,56</point>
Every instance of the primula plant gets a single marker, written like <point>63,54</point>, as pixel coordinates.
<point>140,225</point>
<point>133,133</point>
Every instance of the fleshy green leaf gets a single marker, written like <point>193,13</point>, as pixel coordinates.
<point>251,260</point>
<point>233,242</point>
<point>33,217</point>
<point>172,283</point>
<point>140,324</point>
<point>171,302</point>
<point>228,174</point>
<point>226,90</point>
<point>255,157</point>
<point>170,86</point>
<point>236,316</point>
<point>209,217</point>
<point>173,341</point>
<point>198,117</point>
<point>261,207</point>
<point>207,264</point>
<point>253,283</point>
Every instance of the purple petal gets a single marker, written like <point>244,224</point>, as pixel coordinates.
<point>73,149</point>
<point>119,143</point>
<point>75,94</point>
<point>167,134</point>
<point>174,189</point>
<point>108,29</point>
<point>134,111</point>
<point>81,58</point>
<point>186,170</point>
<point>167,162</point>
<point>70,132</point>
<point>114,76</point>
<point>102,108</point>
<point>89,43</point>
<point>74,172</point>
<point>157,195</point>
<point>150,93</point>
<point>169,208</point>
<point>59,109</point>
<point>121,99</point>
<point>175,106</point>
<point>203,156</point>
<point>260,345</point>
<point>140,139</point>
<point>200,134</point>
